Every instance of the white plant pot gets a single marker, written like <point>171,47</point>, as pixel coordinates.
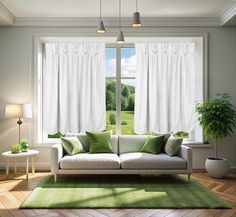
<point>217,167</point>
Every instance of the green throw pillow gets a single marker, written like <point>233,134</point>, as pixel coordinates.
<point>72,145</point>
<point>99,142</point>
<point>173,145</point>
<point>153,144</point>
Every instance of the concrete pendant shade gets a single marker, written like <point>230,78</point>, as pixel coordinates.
<point>120,38</point>
<point>101,28</point>
<point>136,20</point>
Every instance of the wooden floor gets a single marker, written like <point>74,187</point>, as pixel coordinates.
<point>14,192</point>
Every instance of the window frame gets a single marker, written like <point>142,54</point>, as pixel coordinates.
<point>39,38</point>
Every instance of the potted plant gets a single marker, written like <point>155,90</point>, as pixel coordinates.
<point>15,149</point>
<point>218,120</point>
<point>181,134</point>
<point>24,145</point>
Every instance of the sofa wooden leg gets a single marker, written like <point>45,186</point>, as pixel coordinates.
<point>55,177</point>
<point>189,175</point>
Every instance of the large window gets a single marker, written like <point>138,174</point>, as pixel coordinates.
<point>120,88</point>
<point>120,75</point>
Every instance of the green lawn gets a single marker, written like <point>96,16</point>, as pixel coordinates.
<point>128,117</point>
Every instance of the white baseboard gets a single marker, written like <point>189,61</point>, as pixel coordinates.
<point>38,166</point>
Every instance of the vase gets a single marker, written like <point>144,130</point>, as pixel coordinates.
<point>217,167</point>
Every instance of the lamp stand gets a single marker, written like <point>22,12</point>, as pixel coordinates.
<point>19,122</point>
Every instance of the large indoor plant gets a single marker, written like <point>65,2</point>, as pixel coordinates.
<point>218,120</point>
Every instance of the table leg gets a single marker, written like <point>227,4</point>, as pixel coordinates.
<point>27,167</point>
<point>33,165</point>
<point>7,168</point>
<point>15,166</point>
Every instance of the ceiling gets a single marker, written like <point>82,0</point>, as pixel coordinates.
<point>12,12</point>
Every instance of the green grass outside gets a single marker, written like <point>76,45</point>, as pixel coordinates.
<point>128,117</point>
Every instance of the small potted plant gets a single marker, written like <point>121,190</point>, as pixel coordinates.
<point>16,149</point>
<point>24,145</point>
<point>181,134</point>
<point>218,120</point>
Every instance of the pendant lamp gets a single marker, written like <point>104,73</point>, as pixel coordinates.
<point>101,28</point>
<point>120,38</point>
<point>136,18</point>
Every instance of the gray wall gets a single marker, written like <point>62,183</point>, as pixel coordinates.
<point>16,79</point>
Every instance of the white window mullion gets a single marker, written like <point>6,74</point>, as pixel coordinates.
<point>118,90</point>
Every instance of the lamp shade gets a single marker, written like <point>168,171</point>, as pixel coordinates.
<point>120,38</point>
<point>18,111</point>
<point>101,28</point>
<point>136,20</point>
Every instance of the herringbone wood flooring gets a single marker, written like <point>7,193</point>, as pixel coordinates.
<point>14,192</point>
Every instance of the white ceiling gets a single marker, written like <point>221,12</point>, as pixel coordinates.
<point>34,9</point>
<point>90,8</point>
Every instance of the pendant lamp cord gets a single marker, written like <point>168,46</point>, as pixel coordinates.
<point>136,5</point>
<point>100,10</point>
<point>119,15</point>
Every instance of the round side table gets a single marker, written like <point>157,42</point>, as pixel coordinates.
<point>29,154</point>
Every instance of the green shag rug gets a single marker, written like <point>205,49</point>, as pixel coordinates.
<point>114,191</point>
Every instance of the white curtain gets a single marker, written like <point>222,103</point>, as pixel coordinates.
<point>74,87</point>
<point>165,87</point>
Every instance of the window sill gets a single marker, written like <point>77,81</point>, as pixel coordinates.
<point>195,144</point>
<point>191,144</point>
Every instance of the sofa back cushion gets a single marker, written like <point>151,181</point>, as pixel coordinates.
<point>131,143</point>
<point>84,141</point>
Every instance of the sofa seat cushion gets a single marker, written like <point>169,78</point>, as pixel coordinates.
<point>90,161</point>
<point>139,160</point>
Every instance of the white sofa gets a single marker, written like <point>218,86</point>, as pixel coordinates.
<point>126,159</point>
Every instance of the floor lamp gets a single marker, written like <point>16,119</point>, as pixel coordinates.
<point>18,111</point>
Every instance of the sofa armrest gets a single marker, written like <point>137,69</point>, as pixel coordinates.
<point>56,156</point>
<point>186,153</point>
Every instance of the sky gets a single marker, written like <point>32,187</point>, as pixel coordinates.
<point>128,63</point>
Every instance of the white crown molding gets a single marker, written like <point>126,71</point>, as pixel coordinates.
<point>113,22</point>
<point>8,17</point>
<point>55,21</point>
<point>180,21</point>
<point>228,15</point>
